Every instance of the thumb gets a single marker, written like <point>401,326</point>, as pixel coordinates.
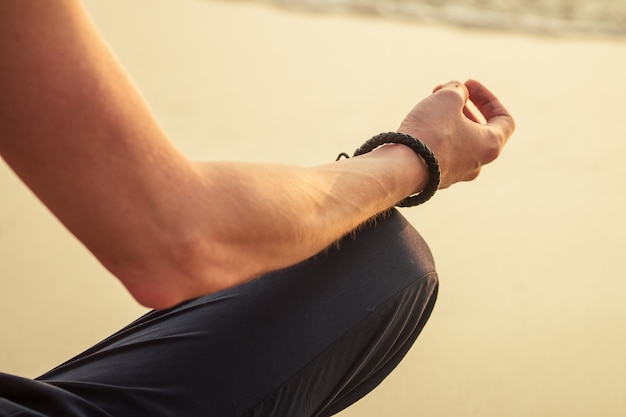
<point>453,89</point>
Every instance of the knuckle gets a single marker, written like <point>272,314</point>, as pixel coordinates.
<point>473,175</point>
<point>491,151</point>
<point>512,125</point>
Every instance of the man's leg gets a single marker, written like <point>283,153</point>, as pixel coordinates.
<point>304,341</point>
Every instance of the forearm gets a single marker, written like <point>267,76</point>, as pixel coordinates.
<point>276,215</point>
<point>242,220</point>
<point>235,221</point>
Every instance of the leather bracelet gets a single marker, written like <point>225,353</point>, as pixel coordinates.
<point>434,174</point>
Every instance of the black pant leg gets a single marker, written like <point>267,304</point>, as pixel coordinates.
<point>304,341</point>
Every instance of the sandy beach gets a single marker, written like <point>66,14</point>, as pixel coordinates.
<point>530,316</point>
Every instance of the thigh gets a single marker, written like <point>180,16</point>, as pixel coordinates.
<point>306,340</point>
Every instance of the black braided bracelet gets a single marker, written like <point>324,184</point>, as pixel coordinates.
<point>434,175</point>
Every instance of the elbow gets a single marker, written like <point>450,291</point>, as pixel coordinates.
<point>177,272</point>
<point>151,286</point>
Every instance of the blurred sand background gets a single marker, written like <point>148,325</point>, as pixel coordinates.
<point>531,312</point>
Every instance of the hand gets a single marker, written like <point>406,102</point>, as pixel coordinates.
<point>461,143</point>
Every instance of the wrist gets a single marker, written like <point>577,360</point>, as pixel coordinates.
<point>409,168</point>
<point>420,149</point>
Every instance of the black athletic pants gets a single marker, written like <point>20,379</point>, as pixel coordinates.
<point>308,340</point>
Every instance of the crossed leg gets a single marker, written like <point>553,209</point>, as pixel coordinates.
<point>309,340</point>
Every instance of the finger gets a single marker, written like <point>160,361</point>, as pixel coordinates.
<point>490,107</point>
